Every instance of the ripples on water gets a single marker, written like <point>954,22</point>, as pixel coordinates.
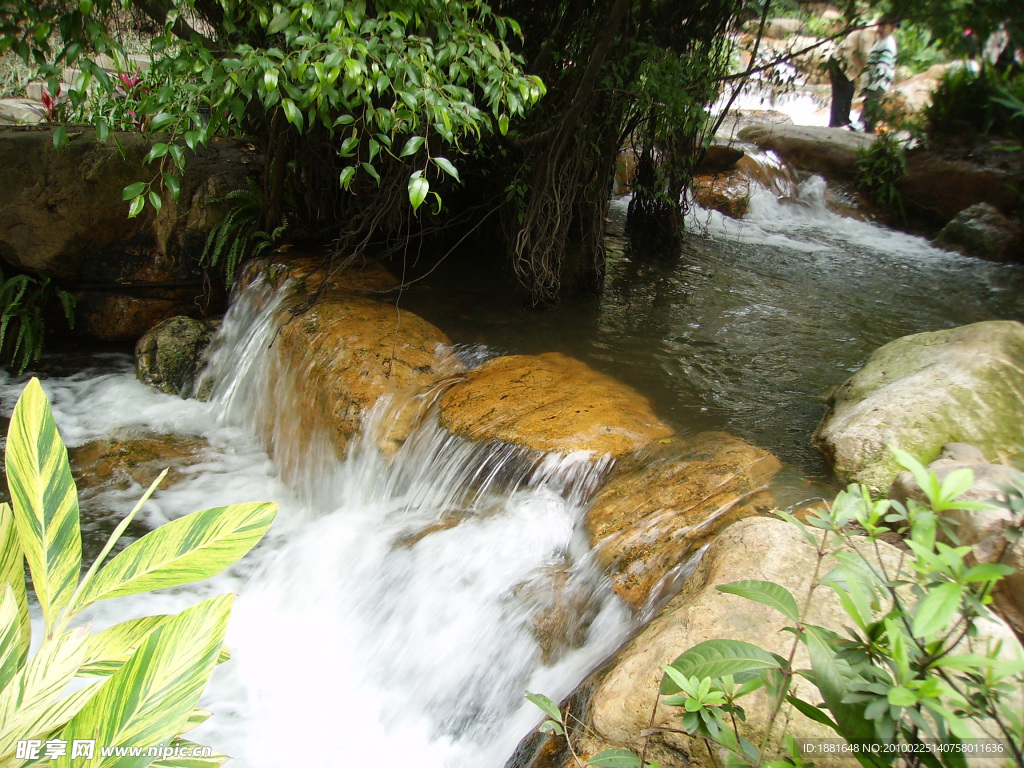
<point>751,323</point>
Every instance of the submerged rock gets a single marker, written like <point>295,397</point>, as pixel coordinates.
<point>169,356</point>
<point>550,402</point>
<point>920,392</point>
<point>129,459</point>
<point>666,502</point>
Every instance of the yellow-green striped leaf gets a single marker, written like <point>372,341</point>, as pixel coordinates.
<point>213,761</point>
<point>32,692</point>
<point>45,501</point>
<point>10,637</point>
<point>12,574</point>
<point>112,647</point>
<point>197,718</point>
<point>188,549</point>
<point>150,698</point>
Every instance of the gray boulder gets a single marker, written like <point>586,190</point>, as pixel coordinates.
<point>923,391</point>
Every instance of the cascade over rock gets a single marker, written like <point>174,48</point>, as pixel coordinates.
<point>339,352</point>
<point>550,402</point>
<point>665,502</point>
<point>922,391</point>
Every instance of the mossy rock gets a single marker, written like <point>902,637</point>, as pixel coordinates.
<point>962,385</point>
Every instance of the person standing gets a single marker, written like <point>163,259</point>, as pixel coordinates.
<point>845,67</point>
<point>881,71</point>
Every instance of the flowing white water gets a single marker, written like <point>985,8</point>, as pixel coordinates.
<point>394,609</point>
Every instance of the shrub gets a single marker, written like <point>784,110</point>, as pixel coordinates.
<point>879,167</point>
<point>151,669</point>
<point>977,103</point>
<point>908,669</point>
<point>25,299</point>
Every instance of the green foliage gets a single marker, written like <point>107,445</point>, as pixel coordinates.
<point>238,237</point>
<point>985,103</point>
<point>918,49</point>
<point>908,668</point>
<point>24,299</point>
<point>880,166</point>
<point>368,75</point>
<point>152,669</point>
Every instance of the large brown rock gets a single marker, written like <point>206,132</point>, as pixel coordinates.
<point>668,501</point>
<point>923,391</point>
<point>936,189</point>
<point>982,231</point>
<point>550,402</point>
<point>337,357</point>
<point>61,214</point>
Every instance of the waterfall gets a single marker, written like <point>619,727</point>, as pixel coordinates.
<point>402,603</point>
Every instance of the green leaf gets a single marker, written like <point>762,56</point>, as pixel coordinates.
<point>155,200</point>
<point>814,713</point>
<point>987,572</point>
<point>12,574</point>
<point>157,151</point>
<point>110,649</point>
<point>150,698</point>
<point>279,22</point>
<point>766,592</point>
<point>615,758</point>
<point>133,190</point>
<point>10,637</point>
<point>957,483</point>
<point>173,184</point>
<point>347,174</point>
<point>446,166</point>
<point>371,171</point>
<point>412,146</point>
<point>937,609</point>
<point>901,697</point>
<point>831,676</point>
<point>60,136</point>
<point>503,124</point>
<point>45,501</point>
<point>292,113</point>
<point>136,207</point>
<point>191,548</point>
<point>714,658</point>
<point>418,189</point>
<point>546,705</point>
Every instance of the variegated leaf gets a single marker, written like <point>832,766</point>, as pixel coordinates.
<point>188,549</point>
<point>38,686</point>
<point>150,698</point>
<point>10,637</point>
<point>12,573</point>
<point>45,501</point>
<point>112,647</point>
<point>197,718</point>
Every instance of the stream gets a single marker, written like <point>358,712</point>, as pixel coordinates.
<point>367,627</point>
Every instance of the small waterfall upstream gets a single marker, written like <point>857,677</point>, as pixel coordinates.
<point>401,605</point>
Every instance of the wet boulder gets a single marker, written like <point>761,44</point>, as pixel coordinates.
<point>982,231</point>
<point>550,402</point>
<point>828,151</point>
<point>169,356</point>
<point>923,391</point>
<point>339,352</point>
<point>663,504</point>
